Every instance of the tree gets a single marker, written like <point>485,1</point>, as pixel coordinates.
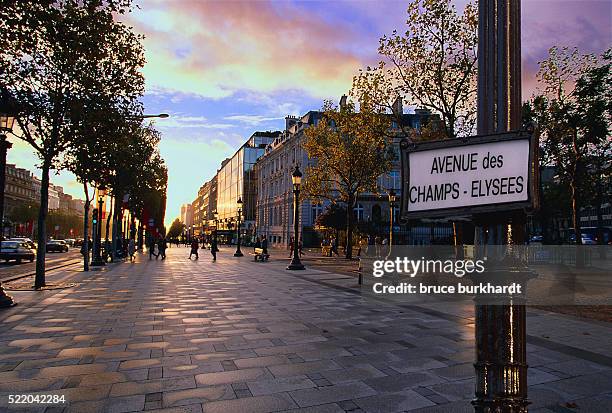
<point>573,113</point>
<point>46,47</point>
<point>176,229</point>
<point>432,65</point>
<point>349,151</point>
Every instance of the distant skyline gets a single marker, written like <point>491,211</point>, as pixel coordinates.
<point>224,69</point>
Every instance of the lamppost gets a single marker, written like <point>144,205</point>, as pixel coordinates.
<point>296,179</point>
<point>216,218</point>
<point>392,200</point>
<point>97,258</point>
<point>192,232</point>
<point>7,119</point>
<point>238,253</point>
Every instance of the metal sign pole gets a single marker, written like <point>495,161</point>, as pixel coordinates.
<point>501,368</point>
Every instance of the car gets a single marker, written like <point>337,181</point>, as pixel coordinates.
<point>537,239</point>
<point>70,241</point>
<point>28,241</point>
<point>586,239</point>
<point>57,245</point>
<point>16,250</point>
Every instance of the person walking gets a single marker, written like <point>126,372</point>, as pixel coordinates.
<point>214,249</point>
<point>152,245</point>
<point>334,248</point>
<point>264,244</point>
<point>194,248</point>
<point>162,244</point>
<point>131,249</point>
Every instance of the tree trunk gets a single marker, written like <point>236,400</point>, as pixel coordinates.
<point>349,228</point>
<point>575,204</point>
<point>86,229</point>
<point>574,190</point>
<point>39,280</point>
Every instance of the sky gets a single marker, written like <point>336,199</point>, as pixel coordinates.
<point>223,69</point>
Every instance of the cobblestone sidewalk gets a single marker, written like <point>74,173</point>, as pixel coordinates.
<point>238,336</point>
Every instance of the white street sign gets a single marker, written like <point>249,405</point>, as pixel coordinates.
<point>470,175</point>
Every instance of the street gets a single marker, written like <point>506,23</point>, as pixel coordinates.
<point>11,269</point>
<point>239,336</point>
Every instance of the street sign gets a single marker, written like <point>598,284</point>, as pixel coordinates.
<point>466,176</point>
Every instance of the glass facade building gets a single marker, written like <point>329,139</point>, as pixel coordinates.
<point>236,179</point>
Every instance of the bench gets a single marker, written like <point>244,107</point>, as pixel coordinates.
<point>260,256</point>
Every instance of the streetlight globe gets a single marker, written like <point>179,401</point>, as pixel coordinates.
<point>296,177</point>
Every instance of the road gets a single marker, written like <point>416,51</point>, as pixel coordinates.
<point>53,259</point>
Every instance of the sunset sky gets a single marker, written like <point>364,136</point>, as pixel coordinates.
<point>223,69</point>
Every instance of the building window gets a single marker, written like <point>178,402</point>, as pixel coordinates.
<point>317,209</point>
<point>394,180</point>
<point>358,211</point>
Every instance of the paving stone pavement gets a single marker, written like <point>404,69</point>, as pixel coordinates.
<point>238,336</point>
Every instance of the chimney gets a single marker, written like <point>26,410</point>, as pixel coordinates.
<point>290,121</point>
<point>398,108</point>
<point>343,101</point>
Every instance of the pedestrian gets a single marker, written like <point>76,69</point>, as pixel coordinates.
<point>334,248</point>
<point>162,244</point>
<point>152,246</point>
<point>291,241</point>
<point>264,245</point>
<point>257,243</point>
<point>214,249</point>
<point>194,248</point>
<point>131,249</point>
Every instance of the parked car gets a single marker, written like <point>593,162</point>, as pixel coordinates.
<point>70,241</point>
<point>536,239</point>
<point>57,245</point>
<point>28,241</point>
<point>586,239</point>
<point>16,250</point>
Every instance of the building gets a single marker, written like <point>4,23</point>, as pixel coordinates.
<point>54,197</point>
<point>236,180</point>
<point>19,189</point>
<point>187,215</point>
<point>275,191</point>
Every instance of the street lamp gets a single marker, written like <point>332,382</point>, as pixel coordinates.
<point>7,119</point>
<point>97,259</point>
<point>392,200</point>
<point>238,253</point>
<point>216,218</point>
<point>296,179</point>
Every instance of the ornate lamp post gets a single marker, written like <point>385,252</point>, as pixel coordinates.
<point>392,201</point>
<point>296,179</point>
<point>97,258</point>
<point>7,119</point>
<point>238,253</point>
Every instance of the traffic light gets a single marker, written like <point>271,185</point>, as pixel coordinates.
<point>94,213</point>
